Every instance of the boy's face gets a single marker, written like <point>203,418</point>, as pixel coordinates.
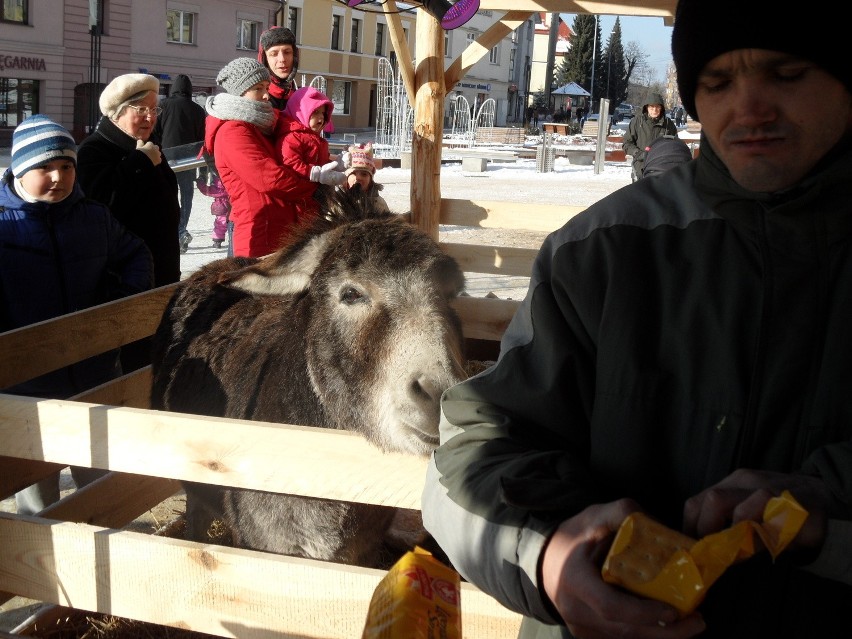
<point>317,120</point>
<point>361,177</point>
<point>51,182</point>
<point>258,92</point>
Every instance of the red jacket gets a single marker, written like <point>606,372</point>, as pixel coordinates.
<point>265,194</point>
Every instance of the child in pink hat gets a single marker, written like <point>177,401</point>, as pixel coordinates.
<point>359,178</point>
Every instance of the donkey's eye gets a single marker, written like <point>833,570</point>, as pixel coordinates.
<point>351,296</point>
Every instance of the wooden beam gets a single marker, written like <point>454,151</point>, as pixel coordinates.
<point>58,342</point>
<point>428,131</point>
<point>400,46</point>
<point>301,460</point>
<point>499,260</point>
<point>485,318</point>
<point>506,215</point>
<point>662,8</point>
<point>223,591</point>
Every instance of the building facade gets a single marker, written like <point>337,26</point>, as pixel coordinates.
<point>57,55</point>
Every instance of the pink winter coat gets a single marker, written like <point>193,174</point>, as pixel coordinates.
<point>266,195</point>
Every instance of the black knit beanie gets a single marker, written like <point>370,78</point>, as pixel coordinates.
<point>704,30</point>
<point>275,36</point>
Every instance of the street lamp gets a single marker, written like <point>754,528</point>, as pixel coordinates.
<point>594,51</point>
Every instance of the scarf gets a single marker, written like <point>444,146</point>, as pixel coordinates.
<point>231,107</point>
<point>281,89</point>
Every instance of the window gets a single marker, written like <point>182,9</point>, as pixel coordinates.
<point>340,96</point>
<point>97,22</point>
<point>471,37</point>
<point>248,34</point>
<point>512,53</point>
<point>180,26</point>
<point>335,33</point>
<point>355,42</point>
<point>448,41</point>
<point>380,39</point>
<point>293,19</point>
<point>16,11</point>
<point>18,98</point>
<point>494,55</point>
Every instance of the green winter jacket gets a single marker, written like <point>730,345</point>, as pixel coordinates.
<point>642,130</point>
<point>675,331</point>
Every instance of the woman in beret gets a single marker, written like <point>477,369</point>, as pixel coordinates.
<point>119,166</point>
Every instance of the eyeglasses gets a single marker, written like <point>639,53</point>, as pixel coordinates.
<point>146,111</point>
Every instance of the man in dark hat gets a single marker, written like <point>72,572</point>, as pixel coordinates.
<point>278,52</point>
<point>682,351</point>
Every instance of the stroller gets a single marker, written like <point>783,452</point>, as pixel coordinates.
<point>663,154</point>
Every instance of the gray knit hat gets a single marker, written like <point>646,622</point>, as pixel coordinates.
<point>240,75</point>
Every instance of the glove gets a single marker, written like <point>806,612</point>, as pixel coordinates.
<point>327,174</point>
<point>345,160</point>
<point>151,150</point>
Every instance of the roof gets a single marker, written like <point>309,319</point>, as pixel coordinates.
<point>572,88</point>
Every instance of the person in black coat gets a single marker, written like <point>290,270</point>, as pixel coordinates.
<point>181,123</point>
<point>119,166</point>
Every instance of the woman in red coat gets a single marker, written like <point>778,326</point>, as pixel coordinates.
<point>239,130</point>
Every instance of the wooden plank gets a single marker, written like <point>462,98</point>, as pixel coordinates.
<point>16,474</point>
<point>223,591</point>
<point>499,260</point>
<point>133,389</point>
<point>58,342</point>
<point>506,215</point>
<point>302,460</point>
<point>485,318</point>
<point>659,8</point>
<point>400,47</point>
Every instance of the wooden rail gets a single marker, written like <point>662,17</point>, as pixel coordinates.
<point>76,555</point>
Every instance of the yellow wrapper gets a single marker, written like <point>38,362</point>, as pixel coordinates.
<point>417,599</point>
<point>656,562</point>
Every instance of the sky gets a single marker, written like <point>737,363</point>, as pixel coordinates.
<point>651,33</point>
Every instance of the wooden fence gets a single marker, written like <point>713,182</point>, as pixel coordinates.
<point>76,555</point>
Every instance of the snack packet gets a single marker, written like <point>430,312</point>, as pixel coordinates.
<point>652,560</point>
<point>417,599</point>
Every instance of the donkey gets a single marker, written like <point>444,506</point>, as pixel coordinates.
<point>348,326</point>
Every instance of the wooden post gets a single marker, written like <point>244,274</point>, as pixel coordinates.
<point>428,125</point>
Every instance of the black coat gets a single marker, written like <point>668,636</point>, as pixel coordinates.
<point>140,195</point>
<point>182,119</point>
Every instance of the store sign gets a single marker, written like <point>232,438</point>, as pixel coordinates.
<point>22,63</point>
<point>481,87</point>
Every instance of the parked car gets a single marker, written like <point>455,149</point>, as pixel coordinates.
<point>623,111</point>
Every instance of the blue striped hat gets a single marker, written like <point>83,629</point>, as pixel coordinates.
<point>38,140</point>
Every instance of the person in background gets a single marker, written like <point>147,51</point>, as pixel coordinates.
<point>450,15</point>
<point>683,350</point>
<point>360,182</point>
<point>59,253</point>
<point>239,135</point>
<point>644,128</point>
<point>220,208</point>
<point>120,167</point>
<point>181,122</point>
<point>303,148</point>
<point>279,53</point>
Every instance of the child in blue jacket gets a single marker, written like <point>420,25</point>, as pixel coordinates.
<point>59,253</point>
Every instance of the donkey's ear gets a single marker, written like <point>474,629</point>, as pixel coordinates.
<point>280,273</point>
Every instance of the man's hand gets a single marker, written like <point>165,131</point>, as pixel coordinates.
<point>328,174</point>
<point>591,608</point>
<point>151,150</point>
<point>743,494</point>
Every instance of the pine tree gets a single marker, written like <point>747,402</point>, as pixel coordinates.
<point>614,75</point>
<point>577,64</point>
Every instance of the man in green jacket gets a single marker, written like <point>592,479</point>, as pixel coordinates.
<point>644,128</point>
<point>685,350</point>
